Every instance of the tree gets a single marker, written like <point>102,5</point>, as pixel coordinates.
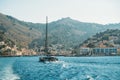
<point>2,46</point>
<point>8,51</point>
<point>90,45</point>
<point>105,37</point>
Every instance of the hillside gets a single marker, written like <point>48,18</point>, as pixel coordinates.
<point>69,32</point>
<point>16,31</point>
<point>108,38</point>
<point>66,32</point>
<point>5,44</point>
<point>9,48</point>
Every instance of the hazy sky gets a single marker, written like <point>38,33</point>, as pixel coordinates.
<point>98,11</point>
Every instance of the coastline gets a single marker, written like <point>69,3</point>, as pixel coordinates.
<point>58,55</point>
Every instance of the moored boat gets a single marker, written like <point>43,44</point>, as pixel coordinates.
<point>47,58</point>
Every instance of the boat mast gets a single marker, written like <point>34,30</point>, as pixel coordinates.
<point>47,57</point>
<point>46,36</point>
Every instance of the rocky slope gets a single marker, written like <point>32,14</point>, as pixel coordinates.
<point>108,38</point>
<point>67,32</point>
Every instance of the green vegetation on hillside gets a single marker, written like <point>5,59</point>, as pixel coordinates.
<point>5,43</point>
<point>16,30</point>
<point>66,32</point>
<point>108,38</point>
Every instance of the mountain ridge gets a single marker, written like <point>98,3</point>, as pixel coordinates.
<point>16,31</point>
<point>65,31</point>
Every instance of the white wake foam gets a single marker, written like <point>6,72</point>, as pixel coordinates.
<point>7,74</point>
<point>90,77</point>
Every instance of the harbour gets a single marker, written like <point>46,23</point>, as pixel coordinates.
<point>67,68</point>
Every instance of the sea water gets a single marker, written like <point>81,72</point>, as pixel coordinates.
<point>67,68</point>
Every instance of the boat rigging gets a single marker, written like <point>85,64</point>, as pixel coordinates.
<point>48,56</point>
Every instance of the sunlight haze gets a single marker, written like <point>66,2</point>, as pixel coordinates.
<point>94,11</point>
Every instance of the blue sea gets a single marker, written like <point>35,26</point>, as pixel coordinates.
<point>67,68</point>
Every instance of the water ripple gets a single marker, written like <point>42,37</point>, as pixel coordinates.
<point>68,68</point>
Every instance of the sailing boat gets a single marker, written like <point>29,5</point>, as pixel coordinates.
<point>48,57</point>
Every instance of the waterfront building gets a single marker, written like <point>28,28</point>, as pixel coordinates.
<point>104,51</point>
<point>85,51</point>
